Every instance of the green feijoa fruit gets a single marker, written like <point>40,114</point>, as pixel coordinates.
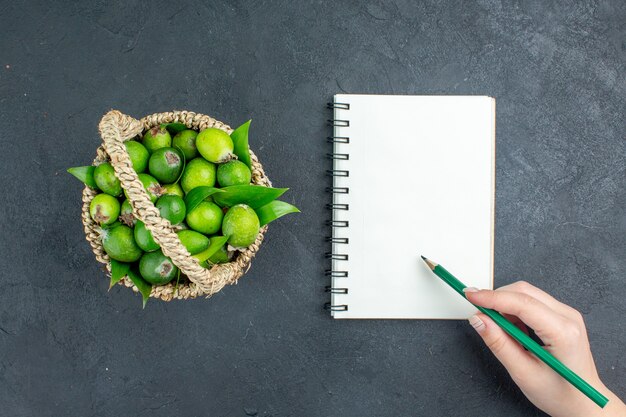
<point>166,164</point>
<point>205,218</point>
<point>186,142</point>
<point>104,209</point>
<point>233,173</point>
<point>156,138</point>
<point>157,268</point>
<point>172,208</point>
<point>138,154</point>
<point>119,243</point>
<point>151,185</point>
<point>215,145</point>
<point>105,178</point>
<point>144,238</point>
<point>198,172</point>
<point>220,257</point>
<point>241,225</point>
<point>126,214</point>
<point>194,242</point>
<point>173,189</point>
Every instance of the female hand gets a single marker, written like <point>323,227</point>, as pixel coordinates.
<point>562,330</point>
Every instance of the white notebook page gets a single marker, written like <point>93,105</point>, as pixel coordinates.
<point>421,182</point>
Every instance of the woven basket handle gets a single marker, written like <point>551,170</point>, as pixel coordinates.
<point>116,128</point>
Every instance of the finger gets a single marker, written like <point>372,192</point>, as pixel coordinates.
<point>544,297</point>
<point>543,320</point>
<point>516,321</point>
<point>512,355</point>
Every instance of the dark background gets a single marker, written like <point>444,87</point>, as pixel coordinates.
<point>67,347</point>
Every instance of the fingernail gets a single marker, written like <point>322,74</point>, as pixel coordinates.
<point>470,289</point>
<point>477,323</point>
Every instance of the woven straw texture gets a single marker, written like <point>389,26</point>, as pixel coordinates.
<point>115,128</point>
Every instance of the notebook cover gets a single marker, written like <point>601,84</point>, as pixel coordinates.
<point>421,180</point>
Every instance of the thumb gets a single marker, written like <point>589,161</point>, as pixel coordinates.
<point>512,355</point>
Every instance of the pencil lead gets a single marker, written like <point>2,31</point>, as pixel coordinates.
<point>430,263</point>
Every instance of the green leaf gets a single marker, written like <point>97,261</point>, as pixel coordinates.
<point>118,270</point>
<point>144,287</point>
<point>253,195</point>
<point>272,211</point>
<point>198,195</point>
<point>85,174</point>
<point>216,243</point>
<point>174,128</point>
<point>240,140</point>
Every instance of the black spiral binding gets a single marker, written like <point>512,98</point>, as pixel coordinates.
<point>337,223</point>
<point>338,190</point>
<point>337,307</point>
<point>336,274</point>
<point>336,290</point>
<point>343,156</point>
<point>338,172</point>
<point>337,139</point>
<point>342,106</point>
<point>337,206</point>
<point>337,239</point>
<point>333,206</point>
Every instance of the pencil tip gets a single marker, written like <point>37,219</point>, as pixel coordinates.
<point>428,262</point>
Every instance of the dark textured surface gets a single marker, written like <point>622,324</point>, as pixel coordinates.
<point>67,347</point>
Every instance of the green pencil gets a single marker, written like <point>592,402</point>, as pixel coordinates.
<point>523,338</point>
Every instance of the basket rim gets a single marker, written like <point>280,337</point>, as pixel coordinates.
<point>127,129</point>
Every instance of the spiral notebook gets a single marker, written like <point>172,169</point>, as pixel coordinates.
<point>412,175</point>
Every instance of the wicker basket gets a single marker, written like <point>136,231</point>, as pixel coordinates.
<point>115,128</point>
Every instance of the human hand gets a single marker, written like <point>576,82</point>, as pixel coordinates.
<point>563,332</point>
